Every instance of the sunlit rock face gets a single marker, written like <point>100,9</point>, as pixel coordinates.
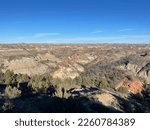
<point>133,86</point>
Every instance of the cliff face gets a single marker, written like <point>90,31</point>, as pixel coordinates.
<point>145,73</point>
<point>26,66</point>
<point>138,66</point>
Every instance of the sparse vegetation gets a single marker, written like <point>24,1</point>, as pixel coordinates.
<point>9,77</point>
<point>122,90</point>
<point>67,75</point>
<point>12,93</point>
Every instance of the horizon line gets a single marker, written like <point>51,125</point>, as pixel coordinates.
<point>11,43</point>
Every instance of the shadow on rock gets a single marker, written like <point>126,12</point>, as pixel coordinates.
<point>47,104</point>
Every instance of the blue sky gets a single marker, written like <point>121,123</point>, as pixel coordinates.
<point>75,21</point>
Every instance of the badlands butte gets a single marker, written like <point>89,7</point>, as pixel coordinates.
<point>88,77</point>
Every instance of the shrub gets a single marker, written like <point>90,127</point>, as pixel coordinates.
<point>1,76</point>
<point>40,83</point>
<point>123,90</point>
<point>40,86</point>
<point>7,105</point>
<point>22,78</point>
<point>8,76</point>
<point>12,93</point>
<point>102,83</point>
<point>86,81</point>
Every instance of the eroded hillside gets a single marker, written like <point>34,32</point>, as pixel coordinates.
<point>65,61</point>
<point>100,77</point>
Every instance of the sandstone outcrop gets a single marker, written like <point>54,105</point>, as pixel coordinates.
<point>133,86</point>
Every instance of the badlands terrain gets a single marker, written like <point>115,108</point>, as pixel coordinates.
<point>84,77</point>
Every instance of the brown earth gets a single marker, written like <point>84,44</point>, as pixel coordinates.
<point>69,61</point>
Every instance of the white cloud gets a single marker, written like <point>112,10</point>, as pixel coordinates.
<point>125,29</point>
<point>35,36</point>
<point>46,34</point>
<point>98,31</point>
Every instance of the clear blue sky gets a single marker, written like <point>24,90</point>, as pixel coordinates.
<point>75,21</point>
